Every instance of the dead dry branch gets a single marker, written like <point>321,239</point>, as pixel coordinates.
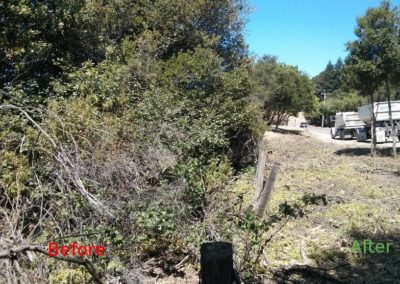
<point>12,254</point>
<point>69,166</point>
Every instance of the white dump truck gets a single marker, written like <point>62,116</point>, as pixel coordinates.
<point>347,123</point>
<point>383,126</point>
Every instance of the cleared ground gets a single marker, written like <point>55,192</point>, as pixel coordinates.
<point>363,196</point>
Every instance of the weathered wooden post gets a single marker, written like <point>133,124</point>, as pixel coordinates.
<point>260,170</point>
<point>216,263</point>
<point>261,202</point>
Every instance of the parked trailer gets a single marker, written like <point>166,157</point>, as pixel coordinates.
<point>347,123</point>
<point>382,124</point>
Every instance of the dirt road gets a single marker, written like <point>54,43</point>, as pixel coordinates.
<point>349,145</point>
<point>323,134</point>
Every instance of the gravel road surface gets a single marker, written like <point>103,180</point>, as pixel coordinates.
<point>324,135</point>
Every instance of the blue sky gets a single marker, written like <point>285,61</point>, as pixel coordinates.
<point>306,33</point>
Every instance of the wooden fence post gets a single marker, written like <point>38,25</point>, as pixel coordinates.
<point>261,202</point>
<point>216,263</point>
<point>260,170</point>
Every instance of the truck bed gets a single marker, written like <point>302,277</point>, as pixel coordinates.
<point>381,110</point>
<point>348,120</point>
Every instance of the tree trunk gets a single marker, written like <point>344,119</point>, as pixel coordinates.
<point>373,128</point>
<point>391,120</point>
<point>271,117</point>
<point>268,115</point>
<point>279,120</point>
<point>286,118</point>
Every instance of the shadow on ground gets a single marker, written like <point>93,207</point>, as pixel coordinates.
<point>384,152</point>
<point>335,266</point>
<point>289,131</point>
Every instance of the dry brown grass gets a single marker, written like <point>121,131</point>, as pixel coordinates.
<point>363,203</point>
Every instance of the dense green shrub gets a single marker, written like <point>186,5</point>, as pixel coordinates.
<point>124,123</point>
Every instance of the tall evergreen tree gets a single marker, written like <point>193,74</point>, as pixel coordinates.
<point>328,80</point>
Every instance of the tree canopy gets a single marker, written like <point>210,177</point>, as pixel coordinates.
<point>282,89</point>
<point>374,57</point>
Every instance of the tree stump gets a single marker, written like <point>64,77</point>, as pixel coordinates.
<point>216,262</point>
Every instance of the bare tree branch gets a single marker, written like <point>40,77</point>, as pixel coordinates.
<point>67,163</point>
<point>12,254</point>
